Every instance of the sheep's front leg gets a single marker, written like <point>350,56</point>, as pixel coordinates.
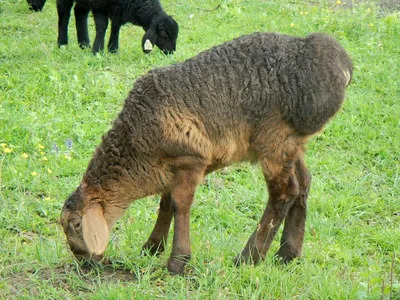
<point>158,238</point>
<point>101,21</point>
<point>114,37</point>
<point>64,12</point>
<point>283,188</point>
<point>186,181</point>
<point>293,231</point>
<point>81,22</point>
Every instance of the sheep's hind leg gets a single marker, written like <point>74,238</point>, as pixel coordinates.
<point>101,20</point>
<point>283,188</point>
<point>81,22</point>
<point>64,12</point>
<point>187,178</point>
<point>158,237</point>
<point>114,37</point>
<point>294,228</point>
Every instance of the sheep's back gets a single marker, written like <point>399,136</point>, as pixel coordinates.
<point>252,78</point>
<point>227,104</point>
<point>231,89</point>
<point>225,87</point>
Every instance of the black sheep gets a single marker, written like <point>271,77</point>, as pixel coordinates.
<point>161,29</point>
<point>257,98</point>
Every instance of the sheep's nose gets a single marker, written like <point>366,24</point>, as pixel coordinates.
<point>97,257</point>
<point>167,52</point>
<point>85,256</point>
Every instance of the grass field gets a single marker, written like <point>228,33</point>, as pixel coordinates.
<point>56,103</point>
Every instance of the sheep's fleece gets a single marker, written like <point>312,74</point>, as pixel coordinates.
<point>256,98</point>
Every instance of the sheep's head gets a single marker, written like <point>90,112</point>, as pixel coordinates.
<point>85,227</point>
<point>163,32</point>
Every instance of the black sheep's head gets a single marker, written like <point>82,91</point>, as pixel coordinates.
<point>163,32</point>
<point>36,5</point>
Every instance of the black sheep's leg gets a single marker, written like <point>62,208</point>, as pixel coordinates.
<point>158,237</point>
<point>64,12</point>
<point>114,36</point>
<point>101,21</point>
<point>36,5</point>
<point>81,22</point>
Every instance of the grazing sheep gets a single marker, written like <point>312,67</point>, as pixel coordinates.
<point>257,98</point>
<point>36,5</point>
<point>161,29</point>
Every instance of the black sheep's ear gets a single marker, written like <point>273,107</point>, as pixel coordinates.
<point>149,39</point>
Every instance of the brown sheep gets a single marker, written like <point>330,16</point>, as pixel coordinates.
<point>258,98</point>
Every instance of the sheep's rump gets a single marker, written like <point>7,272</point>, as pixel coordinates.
<point>254,76</point>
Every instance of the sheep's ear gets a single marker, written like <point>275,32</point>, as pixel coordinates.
<point>95,230</point>
<point>149,39</point>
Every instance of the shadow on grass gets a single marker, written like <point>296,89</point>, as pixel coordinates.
<point>68,277</point>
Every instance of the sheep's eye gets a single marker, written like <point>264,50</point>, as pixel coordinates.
<point>73,227</point>
<point>163,34</point>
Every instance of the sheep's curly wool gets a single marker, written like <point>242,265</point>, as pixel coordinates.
<point>211,97</point>
<point>257,98</point>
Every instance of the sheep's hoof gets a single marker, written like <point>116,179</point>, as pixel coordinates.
<point>153,248</point>
<point>176,264</point>
<point>113,50</point>
<point>287,254</point>
<point>241,260</point>
<point>84,45</point>
<point>248,257</point>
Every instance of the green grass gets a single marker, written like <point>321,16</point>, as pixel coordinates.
<point>56,103</point>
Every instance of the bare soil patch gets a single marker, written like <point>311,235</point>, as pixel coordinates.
<point>69,277</point>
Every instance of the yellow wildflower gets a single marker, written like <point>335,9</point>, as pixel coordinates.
<point>44,158</point>
<point>3,145</point>
<point>49,171</point>
<point>33,173</point>
<point>47,198</point>
<point>338,2</point>
<point>291,24</point>
<point>40,146</point>
<point>301,13</point>
<point>371,25</point>
<point>7,150</point>
<point>41,153</point>
<point>25,155</point>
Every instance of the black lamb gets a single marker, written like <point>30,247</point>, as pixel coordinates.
<point>161,29</point>
<point>257,98</point>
